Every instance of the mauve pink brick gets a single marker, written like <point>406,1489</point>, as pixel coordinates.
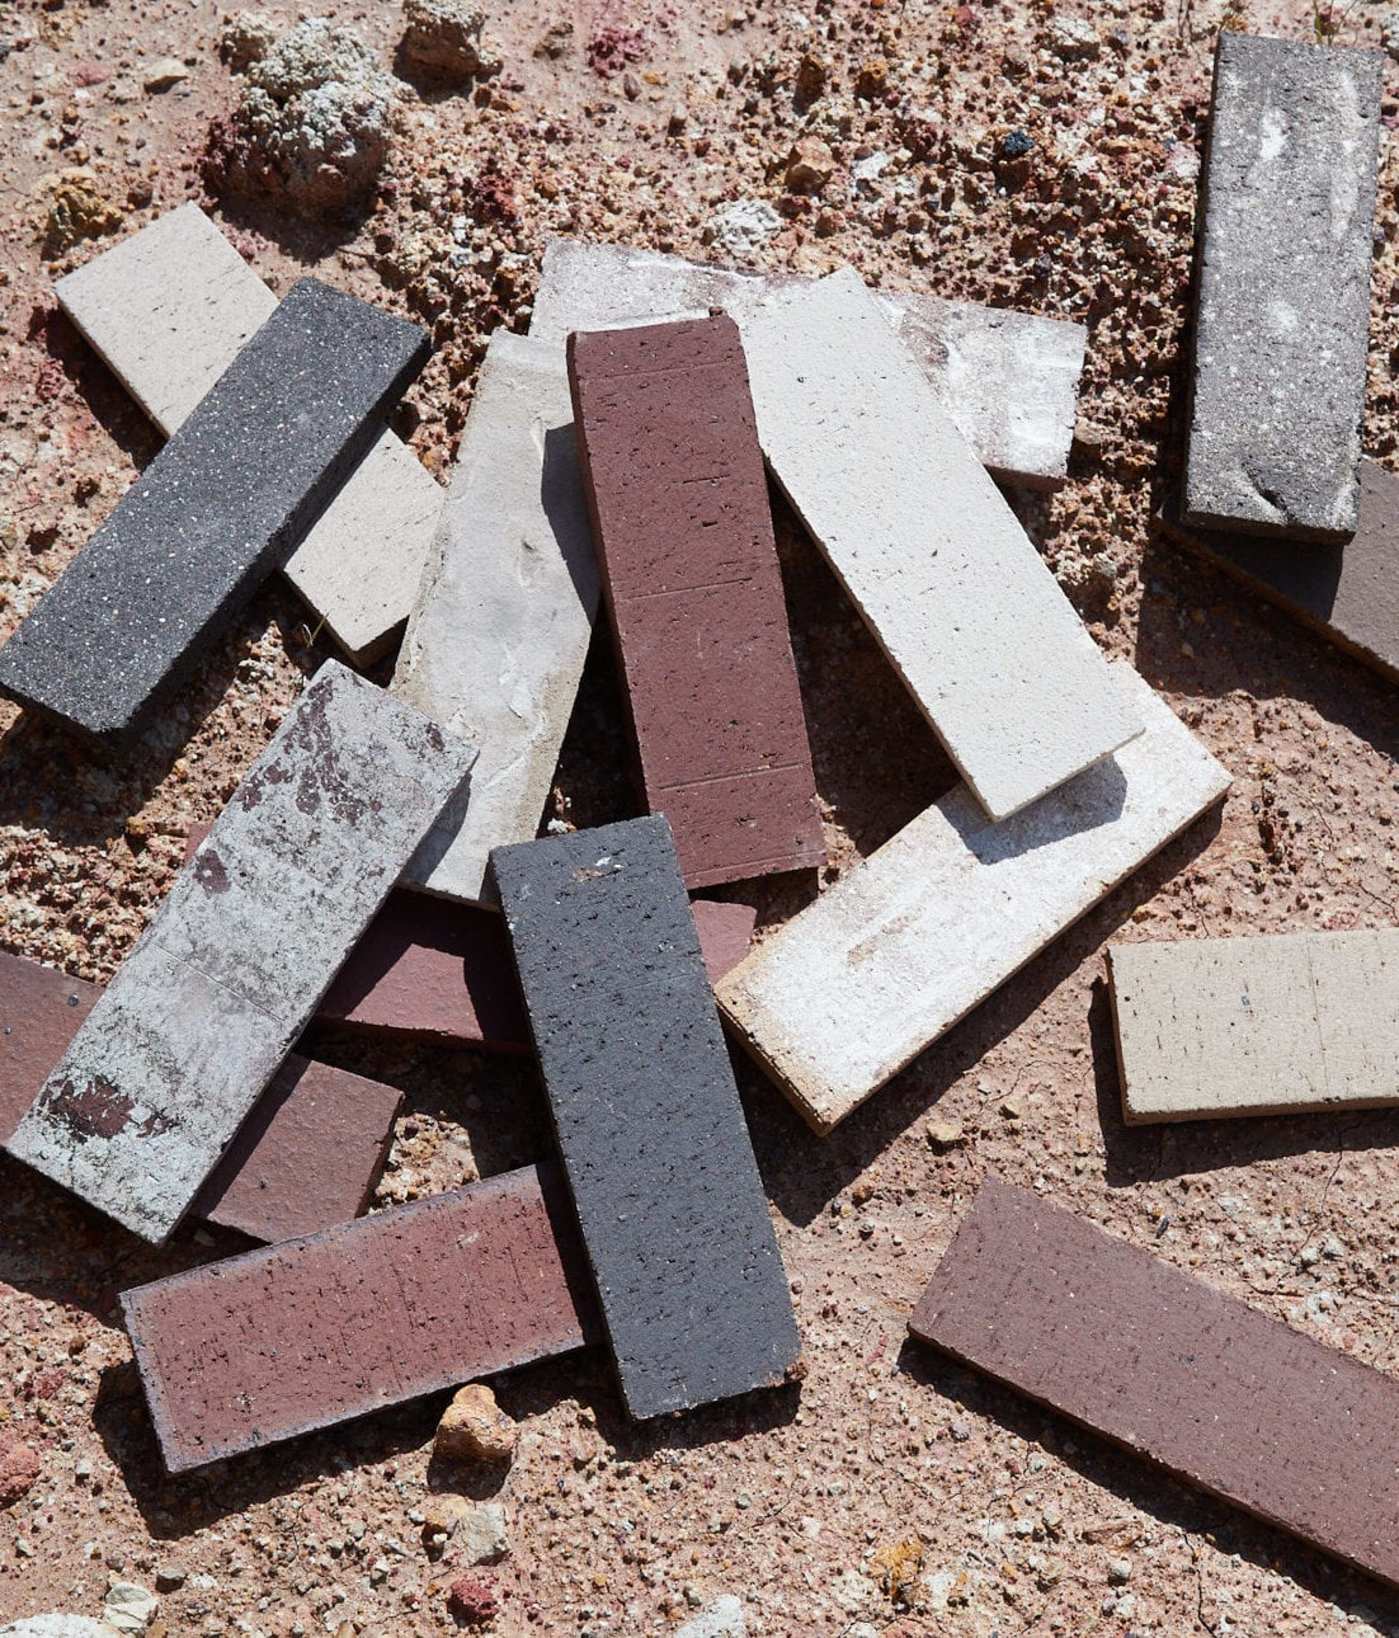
<point>306,1158</point>
<point>313,1332</point>
<point>430,970</point>
<point>678,497</point>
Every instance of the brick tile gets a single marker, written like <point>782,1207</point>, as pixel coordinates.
<point>673,1215</point>
<point>1158,1361</point>
<point>313,1332</point>
<point>679,502</point>
<point>1283,294</point>
<point>173,1056</point>
<point>917,934</point>
<point>169,309</point>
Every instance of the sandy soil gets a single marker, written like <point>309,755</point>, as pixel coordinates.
<point>651,120</point>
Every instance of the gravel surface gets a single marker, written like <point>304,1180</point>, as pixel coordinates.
<point>1036,155</point>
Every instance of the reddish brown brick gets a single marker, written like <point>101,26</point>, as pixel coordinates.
<point>1217,1393</point>
<point>313,1332</point>
<point>678,497</point>
<point>430,970</point>
<point>307,1157</point>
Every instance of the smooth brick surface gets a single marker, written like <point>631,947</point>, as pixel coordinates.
<point>169,309</point>
<point>1215,1392</point>
<point>1350,593</point>
<point>497,639</point>
<point>217,509</point>
<point>1288,199</point>
<point>1009,380</point>
<point>306,1158</point>
<point>236,959</point>
<point>927,548</point>
<point>679,502</point>
<point>307,1334</point>
<point>654,1144</point>
<point>911,939</point>
<point>1257,1026</point>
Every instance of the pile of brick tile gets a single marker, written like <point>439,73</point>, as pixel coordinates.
<point>379,865</point>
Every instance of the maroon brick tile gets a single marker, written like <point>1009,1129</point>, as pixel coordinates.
<point>1212,1390</point>
<point>307,1157</point>
<point>678,498</point>
<point>313,1332</point>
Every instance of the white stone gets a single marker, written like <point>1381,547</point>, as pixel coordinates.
<point>201,1014</point>
<point>496,642</point>
<point>1009,380</point>
<point>907,943</point>
<point>927,547</point>
<point>724,1618</point>
<point>168,309</point>
<point>481,1536</point>
<point>1257,1026</point>
<point>130,1607</point>
<point>57,1625</point>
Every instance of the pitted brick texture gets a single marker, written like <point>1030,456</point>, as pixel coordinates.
<point>1287,200</point>
<point>680,511</point>
<point>220,507</point>
<point>1215,1392</point>
<point>654,1144</point>
<point>307,1334</point>
<point>203,1011</point>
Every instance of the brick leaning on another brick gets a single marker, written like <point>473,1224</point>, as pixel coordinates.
<point>1009,380</point>
<point>220,507</point>
<point>1287,199</point>
<point>654,1144</point>
<point>926,547</point>
<point>314,1332</point>
<point>500,628</point>
<point>1257,1026</point>
<point>169,309</point>
<point>205,1008</point>
<point>679,503</point>
<point>1218,1394</point>
<point>307,1157</point>
<point>907,942</point>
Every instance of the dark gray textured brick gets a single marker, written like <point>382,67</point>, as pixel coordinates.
<point>647,1115</point>
<point>1288,201</point>
<point>222,505</point>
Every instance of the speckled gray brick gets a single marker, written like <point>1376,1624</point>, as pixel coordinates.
<point>653,1138</point>
<point>1287,203</point>
<point>175,1053</point>
<point>220,507</point>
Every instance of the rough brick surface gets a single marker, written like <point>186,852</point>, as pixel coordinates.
<point>1009,380</point>
<point>1215,1392</point>
<point>1350,593</point>
<point>169,309</point>
<point>218,508</point>
<point>679,502</point>
<point>306,1158</point>
<point>1287,202</point>
<point>638,1078</point>
<point>313,1332</point>
<point>1257,1026</point>
<point>912,938</point>
<point>428,970</point>
<point>199,1018</point>
<point>497,639</point>
<point>927,548</point>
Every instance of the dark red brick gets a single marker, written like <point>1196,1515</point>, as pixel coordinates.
<point>678,497</point>
<point>1214,1391</point>
<point>306,1158</point>
<point>313,1332</point>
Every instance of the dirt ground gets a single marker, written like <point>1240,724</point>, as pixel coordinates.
<point>642,124</point>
